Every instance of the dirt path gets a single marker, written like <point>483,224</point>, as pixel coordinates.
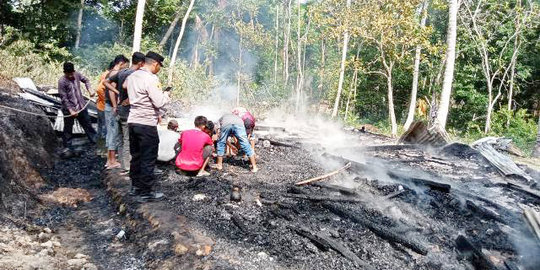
<point>81,236</point>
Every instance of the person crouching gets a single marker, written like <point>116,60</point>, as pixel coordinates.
<point>196,148</point>
<point>232,125</point>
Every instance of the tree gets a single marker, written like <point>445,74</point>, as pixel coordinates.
<point>178,40</point>
<point>536,151</point>
<point>79,25</point>
<point>444,103</point>
<point>342,66</point>
<point>138,26</point>
<point>170,29</point>
<point>416,71</point>
<point>492,29</point>
<point>391,27</point>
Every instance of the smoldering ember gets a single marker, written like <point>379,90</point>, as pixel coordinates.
<point>250,135</point>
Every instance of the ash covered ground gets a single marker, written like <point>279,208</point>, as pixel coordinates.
<point>390,223</point>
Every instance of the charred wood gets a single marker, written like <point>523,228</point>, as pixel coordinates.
<point>316,198</point>
<point>395,194</point>
<point>511,266</point>
<point>523,189</point>
<point>378,229</point>
<point>423,182</point>
<point>239,222</point>
<point>483,212</point>
<point>325,243</point>
<point>474,254</point>
<point>340,189</point>
<point>276,143</point>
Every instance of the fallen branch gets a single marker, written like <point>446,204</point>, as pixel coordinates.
<point>325,243</point>
<point>318,178</point>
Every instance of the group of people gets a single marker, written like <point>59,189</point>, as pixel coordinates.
<point>130,106</point>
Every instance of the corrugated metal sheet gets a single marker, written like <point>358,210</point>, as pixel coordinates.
<point>420,133</point>
<point>503,163</point>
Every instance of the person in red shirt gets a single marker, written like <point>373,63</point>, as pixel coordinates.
<point>196,149</point>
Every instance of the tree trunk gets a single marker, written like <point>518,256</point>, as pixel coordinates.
<point>178,40</point>
<point>299,76</point>
<point>391,100</point>
<point>342,67</point>
<point>79,25</point>
<point>277,46</point>
<point>517,44</point>
<point>444,104</point>
<point>170,30</point>
<point>321,72</point>
<point>416,71</point>
<point>138,26</point>
<point>353,85</point>
<point>239,74</point>
<point>536,151</point>
<point>286,45</point>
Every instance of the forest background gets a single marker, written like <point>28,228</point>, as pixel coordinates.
<point>378,62</point>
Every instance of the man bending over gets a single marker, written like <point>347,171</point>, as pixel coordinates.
<point>232,125</point>
<point>196,149</point>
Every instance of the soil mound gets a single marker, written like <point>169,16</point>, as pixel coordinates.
<point>27,143</point>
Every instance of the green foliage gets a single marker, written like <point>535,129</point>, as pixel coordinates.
<point>522,128</point>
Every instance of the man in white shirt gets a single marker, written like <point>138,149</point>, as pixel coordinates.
<point>146,100</point>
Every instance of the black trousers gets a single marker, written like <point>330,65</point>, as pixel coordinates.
<point>86,124</point>
<point>143,145</point>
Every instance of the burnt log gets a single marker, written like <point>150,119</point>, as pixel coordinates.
<point>395,194</point>
<point>340,189</point>
<point>474,254</point>
<point>422,182</point>
<point>276,143</point>
<point>483,212</point>
<point>378,229</point>
<point>511,265</point>
<point>523,189</point>
<point>316,198</point>
<point>239,222</point>
<point>325,243</point>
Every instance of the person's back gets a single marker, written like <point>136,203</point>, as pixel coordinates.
<point>144,102</point>
<point>230,119</point>
<point>193,142</point>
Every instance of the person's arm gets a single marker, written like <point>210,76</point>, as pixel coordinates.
<point>64,97</point>
<point>87,84</point>
<point>113,78</point>
<point>157,97</point>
